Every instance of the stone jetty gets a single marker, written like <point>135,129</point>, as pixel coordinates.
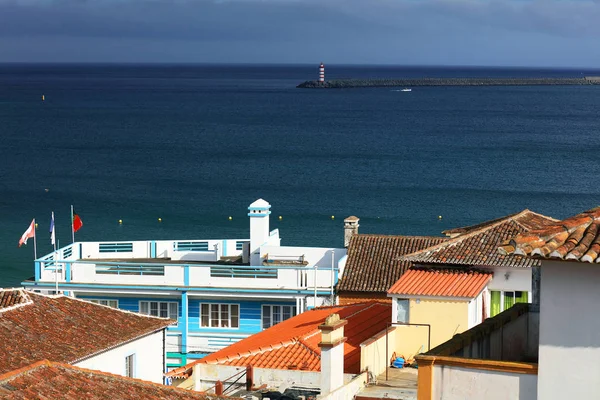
<point>358,83</point>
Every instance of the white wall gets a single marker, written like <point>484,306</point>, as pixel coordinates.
<point>519,279</point>
<point>349,390</point>
<point>205,376</point>
<point>569,354</point>
<point>148,364</point>
<point>458,383</point>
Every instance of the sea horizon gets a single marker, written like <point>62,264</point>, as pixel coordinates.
<point>193,145</point>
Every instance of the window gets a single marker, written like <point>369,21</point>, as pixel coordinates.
<point>274,314</point>
<point>129,365</point>
<point>219,315</point>
<point>163,309</point>
<point>403,305</point>
<point>110,303</point>
<point>501,301</point>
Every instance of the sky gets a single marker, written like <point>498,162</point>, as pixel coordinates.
<point>542,33</point>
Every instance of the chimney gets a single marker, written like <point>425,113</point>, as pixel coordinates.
<point>259,224</point>
<point>332,353</point>
<point>350,228</point>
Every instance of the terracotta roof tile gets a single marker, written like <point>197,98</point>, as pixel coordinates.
<point>64,329</point>
<point>51,380</point>
<point>441,282</point>
<point>293,343</point>
<point>576,238</point>
<point>478,245</point>
<point>373,263</point>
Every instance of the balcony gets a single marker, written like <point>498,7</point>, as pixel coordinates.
<point>190,264</point>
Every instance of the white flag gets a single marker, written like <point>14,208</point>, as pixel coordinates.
<point>52,231</point>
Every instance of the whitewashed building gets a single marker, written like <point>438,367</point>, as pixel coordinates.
<point>218,290</point>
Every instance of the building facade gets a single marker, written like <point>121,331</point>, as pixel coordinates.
<point>218,290</point>
<point>35,327</point>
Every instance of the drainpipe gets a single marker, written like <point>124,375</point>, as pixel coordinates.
<point>315,284</point>
<point>332,276</point>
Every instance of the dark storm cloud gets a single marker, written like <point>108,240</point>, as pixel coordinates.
<point>424,31</point>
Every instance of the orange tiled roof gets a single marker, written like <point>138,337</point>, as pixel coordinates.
<point>373,263</point>
<point>52,380</point>
<point>478,245</point>
<point>576,238</point>
<point>63,329</point>
<point>293,343</point>
<point>441,282</point>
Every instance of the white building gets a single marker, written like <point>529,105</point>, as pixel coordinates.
<point>548,351</point>
<point>219,290</point>
<point>35,327</point>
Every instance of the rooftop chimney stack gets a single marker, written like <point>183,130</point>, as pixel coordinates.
<point>258,212</point>
<point>332,353</point>
<point>350,228</point>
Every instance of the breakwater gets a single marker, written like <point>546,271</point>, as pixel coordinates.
<point>358,83</point>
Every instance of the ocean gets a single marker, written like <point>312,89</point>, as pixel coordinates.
<point>196,144</point>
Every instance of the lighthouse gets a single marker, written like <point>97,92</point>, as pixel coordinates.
<point>321,73</point>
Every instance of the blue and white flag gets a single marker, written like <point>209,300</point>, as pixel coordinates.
<point>52,232</point>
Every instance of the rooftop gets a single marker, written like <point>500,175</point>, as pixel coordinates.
<point>52,380</point>
<point>373,263</point>
<point>293,343</point>
<point>576,238</point>
<point>441,282</point>
<point>36,327</point>
<point>478,244</point>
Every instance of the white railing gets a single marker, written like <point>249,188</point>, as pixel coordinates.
<point>191,250</point>
<point>140,263</point>
<point>193,275</point>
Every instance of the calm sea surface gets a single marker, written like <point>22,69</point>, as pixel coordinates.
<point>194,145</point>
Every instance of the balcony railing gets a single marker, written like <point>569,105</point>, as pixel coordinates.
<point>190,263</point>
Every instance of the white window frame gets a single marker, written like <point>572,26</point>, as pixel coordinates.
<point>293,313</point>
<point>219,320</point>
<point>130,366</point>
<point>105,302</point>
<point>169,309</point>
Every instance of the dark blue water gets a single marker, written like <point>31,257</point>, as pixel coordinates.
<point>196,144</point>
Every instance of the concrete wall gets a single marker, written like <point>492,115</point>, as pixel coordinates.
<point>516,340</point>
<point>349,390</point>
<point>459,383</point>
<point>446,318</point>
<point>373,354</point>
<point>148,359</point>
<point>569,364</point>
<point>205,376</point>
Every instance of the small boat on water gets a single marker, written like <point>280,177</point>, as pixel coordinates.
<point>406,90</point>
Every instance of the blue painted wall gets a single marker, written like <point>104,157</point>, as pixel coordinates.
<point>250,312</point>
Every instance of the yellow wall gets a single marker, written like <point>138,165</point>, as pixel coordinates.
<point>446,318</point>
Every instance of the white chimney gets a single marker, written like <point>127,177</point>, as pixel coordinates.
<point>350,228</point>
<point>259,224</point>
<point>332,353</point>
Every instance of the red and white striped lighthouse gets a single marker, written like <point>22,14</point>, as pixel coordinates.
<point>321,73</point>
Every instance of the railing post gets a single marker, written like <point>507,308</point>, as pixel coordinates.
<point>219,388</point>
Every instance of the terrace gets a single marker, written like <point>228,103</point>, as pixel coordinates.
<point>190,264</point>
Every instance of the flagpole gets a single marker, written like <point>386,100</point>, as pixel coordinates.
<point>72,229</point>
<point>53,231</point>
<point>34,242</point>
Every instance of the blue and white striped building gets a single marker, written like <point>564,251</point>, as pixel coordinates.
<point>218,290</point>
